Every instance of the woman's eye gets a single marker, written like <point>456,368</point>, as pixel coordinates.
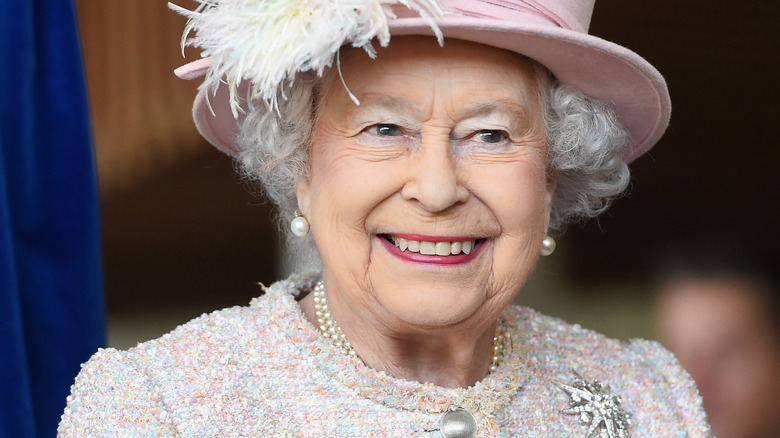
<point>386,130</point>
<point>490,136</point>
<point>385,135</point>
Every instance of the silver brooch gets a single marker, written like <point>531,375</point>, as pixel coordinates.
<point>597,408</point>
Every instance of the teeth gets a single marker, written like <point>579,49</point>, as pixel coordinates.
<point>433,248</point>
<point>427,248</point>
<point>400,242</point>
<point>443,248</point>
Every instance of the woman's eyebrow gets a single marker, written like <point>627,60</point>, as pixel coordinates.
<point>395,104</point>
<point>508,107</point>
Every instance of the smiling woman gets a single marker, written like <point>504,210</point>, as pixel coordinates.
<point>427,176</point>
<point>421,179</point>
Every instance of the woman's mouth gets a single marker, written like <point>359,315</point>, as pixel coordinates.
<point>429,249</point>
<point>443,248</point>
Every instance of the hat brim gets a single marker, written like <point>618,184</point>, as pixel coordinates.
<point>634,89</point>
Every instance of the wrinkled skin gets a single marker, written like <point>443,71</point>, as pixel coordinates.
<point>446,144</point>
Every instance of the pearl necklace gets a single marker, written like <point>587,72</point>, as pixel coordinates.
<point>332,331</point>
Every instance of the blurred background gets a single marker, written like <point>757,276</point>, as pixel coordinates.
<point>182,235</point>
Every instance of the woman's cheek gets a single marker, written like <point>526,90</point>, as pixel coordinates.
<point>514,191</point>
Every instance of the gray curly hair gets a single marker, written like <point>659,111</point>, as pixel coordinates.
<point>584,141</point>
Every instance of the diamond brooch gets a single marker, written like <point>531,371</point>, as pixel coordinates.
<point>597,408</point>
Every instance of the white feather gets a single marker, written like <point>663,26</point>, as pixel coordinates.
<point>266,42</point>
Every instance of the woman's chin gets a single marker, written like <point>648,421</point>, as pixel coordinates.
<point>425,308</point>
<point>431,290</point>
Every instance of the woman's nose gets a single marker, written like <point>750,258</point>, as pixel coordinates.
<point>434,180</point>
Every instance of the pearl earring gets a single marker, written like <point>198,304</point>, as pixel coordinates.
<point>299,225</point>
<point>548,246</point>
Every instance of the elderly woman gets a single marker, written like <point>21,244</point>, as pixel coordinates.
<point>424,174</point>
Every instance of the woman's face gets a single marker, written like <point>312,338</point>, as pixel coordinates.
<point>444,155</point>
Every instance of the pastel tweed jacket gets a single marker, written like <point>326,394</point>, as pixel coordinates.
<point>265,371</point>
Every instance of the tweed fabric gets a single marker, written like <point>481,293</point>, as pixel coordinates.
<point>264,370</point>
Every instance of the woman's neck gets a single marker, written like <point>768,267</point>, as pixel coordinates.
<point>448,357</point>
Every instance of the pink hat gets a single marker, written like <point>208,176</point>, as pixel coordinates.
<point>552,32</point>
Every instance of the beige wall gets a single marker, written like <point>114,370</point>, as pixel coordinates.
<point>140,110</point>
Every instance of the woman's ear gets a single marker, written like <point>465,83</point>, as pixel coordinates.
<point>302,192</point>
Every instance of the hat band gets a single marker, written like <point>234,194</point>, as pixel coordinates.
<point>526,11</point>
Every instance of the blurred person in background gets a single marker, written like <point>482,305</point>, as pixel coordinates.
<point>718,310</point>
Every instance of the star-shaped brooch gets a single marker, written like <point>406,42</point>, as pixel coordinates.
<point>597,408</point>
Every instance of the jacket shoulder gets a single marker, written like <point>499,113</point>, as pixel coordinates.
<point>649,380</point>
<point>113,397</point>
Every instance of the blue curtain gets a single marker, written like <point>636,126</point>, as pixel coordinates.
<point>51,305</point>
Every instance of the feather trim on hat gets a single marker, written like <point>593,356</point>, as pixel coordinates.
<point>266,42</point>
